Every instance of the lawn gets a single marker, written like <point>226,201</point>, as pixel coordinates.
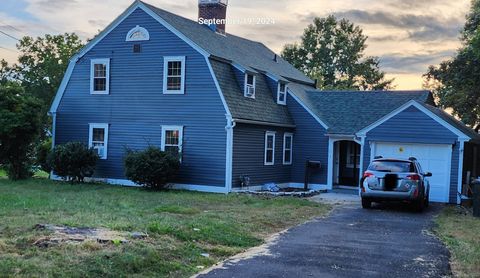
<point>182,228</point>
<point>460,231</point>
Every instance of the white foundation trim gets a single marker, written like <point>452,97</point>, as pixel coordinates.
<point>178,186</point>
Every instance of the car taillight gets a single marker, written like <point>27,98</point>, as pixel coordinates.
<point>367,175</point>
<point>413,177</point>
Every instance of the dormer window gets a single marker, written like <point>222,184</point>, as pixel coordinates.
<point>249,90</point>
<point>282,94</point>
<point>138,34</point>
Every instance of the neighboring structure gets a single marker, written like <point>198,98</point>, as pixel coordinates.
<point>235,109</point>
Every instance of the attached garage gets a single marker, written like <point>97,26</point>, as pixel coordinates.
<point>434,158</point>
<point>433,137</point>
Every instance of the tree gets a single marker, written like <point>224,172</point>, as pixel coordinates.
<point>456,82</point>
<point>332,52</point>
<point>20,123</point>
<point>43,62</point>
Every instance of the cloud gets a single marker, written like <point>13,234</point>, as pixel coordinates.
<point>413,63</point>
<point>419,27</point>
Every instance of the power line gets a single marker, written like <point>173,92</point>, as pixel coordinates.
<point>8,35</point>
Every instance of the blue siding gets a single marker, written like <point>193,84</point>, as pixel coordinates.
<point>454,174</point>
<point>136,108</point>
<point>412,126</point>
<point>310,143</point>
<point>248,155</point>
<point>273,86</point>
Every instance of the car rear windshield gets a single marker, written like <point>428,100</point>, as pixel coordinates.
<point>391,166</point>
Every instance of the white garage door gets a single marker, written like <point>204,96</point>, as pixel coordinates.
<point>433,158</point>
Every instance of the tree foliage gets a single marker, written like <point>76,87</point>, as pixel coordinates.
<point>332,52</point>
<point>20,124</point>
<point>73,161</point>
<point>456,82</point>
<point>43,62</point>
<point>151,168</point>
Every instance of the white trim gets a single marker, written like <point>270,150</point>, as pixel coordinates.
<point>54,128</point>
<point>285,135</point>
<point>461,150</point>
<point>331,143</point>
<point>247,86</point>
<point>178,128</point>
<point>307,109</point>
<point>176,186</point>
<point>104,33</point>
<point>215,80</point>
<point>166,60</point>
<point>461,135</point>
<point>243,121</point>
<point>229,153</point>
<point>362,153</point>
<point>101,61</point>
<point>373,149</point>
<point>103,126</point>
<point>267,134</point>
<point>279,92</point>
<point>137,29</point>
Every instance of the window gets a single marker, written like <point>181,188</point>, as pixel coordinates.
<point>287,148</point>
<point>138,34</point>
<point>269,148</point>
<point>249,85</point>
<point>98,139</point>
<point>100,76</point>
<point>353,155</point>
<point>174,75</point>
<point>172,138</point>
<point>282,93</point>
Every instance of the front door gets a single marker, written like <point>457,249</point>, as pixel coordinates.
<point>349,163</point>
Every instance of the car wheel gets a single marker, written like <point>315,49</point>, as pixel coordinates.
<point>427,201</point>
<point>366,204</point>
<point>419,205</point>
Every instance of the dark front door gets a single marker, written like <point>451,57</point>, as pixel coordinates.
<point>349,163</point>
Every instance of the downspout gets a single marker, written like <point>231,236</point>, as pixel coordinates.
<point>229,153</point>
<point>54,126</point>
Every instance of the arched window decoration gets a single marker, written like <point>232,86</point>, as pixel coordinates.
<point>138,34</point>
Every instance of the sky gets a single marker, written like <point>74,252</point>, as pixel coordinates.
<point>407,35</point>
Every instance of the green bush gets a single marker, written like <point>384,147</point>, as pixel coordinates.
<point>151,167</point>
<point>42,151</point>
<point>73,161</point>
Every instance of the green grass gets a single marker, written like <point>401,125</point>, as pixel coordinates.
<point>181,226</point>
<point>460,231</point>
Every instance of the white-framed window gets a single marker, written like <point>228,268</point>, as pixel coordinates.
<point>287,148</point>
<point>137,33</point>
<point>269,148</point>
<point>98,139</point>
<point>174,75</point>
<point>282,93</point>
<point>172,140</point>
<point>100,76</point>
<point>353,155</point>
<point>249,90</point>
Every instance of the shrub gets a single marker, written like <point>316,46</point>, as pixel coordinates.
<point>151,167</point>
<point>42,151</point>
<point>73,161</point>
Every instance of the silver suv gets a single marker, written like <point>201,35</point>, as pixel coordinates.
<point>395,180</point>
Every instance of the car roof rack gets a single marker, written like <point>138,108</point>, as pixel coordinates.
<point>378,157</point>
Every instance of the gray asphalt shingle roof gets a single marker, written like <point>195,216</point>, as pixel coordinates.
<point>246,53</point>
<point>347,112</point>
<point>263,108</point>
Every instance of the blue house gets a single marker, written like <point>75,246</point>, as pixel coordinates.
<point>238,112</point>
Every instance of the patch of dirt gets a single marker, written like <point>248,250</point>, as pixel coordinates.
<point>74,235</point>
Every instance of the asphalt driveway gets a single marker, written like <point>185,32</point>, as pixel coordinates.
<point>387,241</point>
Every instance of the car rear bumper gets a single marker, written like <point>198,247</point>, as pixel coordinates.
<point>377,195</point>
